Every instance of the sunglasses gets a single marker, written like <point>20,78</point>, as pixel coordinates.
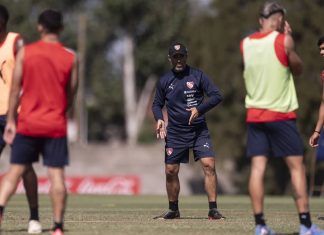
<point>178,56</point>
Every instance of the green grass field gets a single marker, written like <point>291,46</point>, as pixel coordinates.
<point>133,215</point>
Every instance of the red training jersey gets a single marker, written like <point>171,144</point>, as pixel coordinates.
<point>47,69</point>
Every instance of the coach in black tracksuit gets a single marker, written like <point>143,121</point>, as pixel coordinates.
<point>182,90</point>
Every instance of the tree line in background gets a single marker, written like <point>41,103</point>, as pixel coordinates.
<point>212,31</point>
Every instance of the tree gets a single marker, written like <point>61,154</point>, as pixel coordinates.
<point>146,28</point>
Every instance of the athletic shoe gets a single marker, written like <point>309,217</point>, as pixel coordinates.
<point>34,227</point>
<point>58,232</point>
<point>314,230</point>
<point>169,215</point>
<point>263,230</point>
<point>214,214</point>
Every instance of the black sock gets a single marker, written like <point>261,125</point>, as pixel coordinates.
<point>58,225</point>
<point>1,211</point>
<point>173,206</point>
<point>305,219</point>
<point>33,213</point>
<point>259,219</point>
<point>212,205</point>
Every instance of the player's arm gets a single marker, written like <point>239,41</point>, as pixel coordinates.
<point>10,129</point>
<point>19,43</point>
<point>213,94</point>
<point>73,83</point>
<point>214,98</point>
<point>157,106</point>
<point>313,140</point>
<point>295,63</point>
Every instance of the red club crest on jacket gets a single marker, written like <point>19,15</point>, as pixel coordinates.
<point>190,85</point>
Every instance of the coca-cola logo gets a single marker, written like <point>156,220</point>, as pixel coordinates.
<point>117,185</point>
<point>125,185</point>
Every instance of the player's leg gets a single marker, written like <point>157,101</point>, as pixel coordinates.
<point>172,181</point>
<point>173,157</point>
<point>256,183</point>
<point>24,152</point>
<point>203,151</point>
<point>258,148</point>
<point>56,157</point>
<point>210,178</point>
<point>9,184</point>
<point>298,180</point>
<point>31,188</point>
<point>58,195</point>
<point>210,184</point>
<point>173,190</point>
<point>256,192</point>
<point>286,141</point>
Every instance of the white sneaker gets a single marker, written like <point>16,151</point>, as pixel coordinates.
<point>34,227</point>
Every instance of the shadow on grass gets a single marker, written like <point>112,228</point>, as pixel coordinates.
<point>190,218</point>
<point>193,217</point>
<point>46,230</point>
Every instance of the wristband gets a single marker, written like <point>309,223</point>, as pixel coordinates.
<point>317,132</point>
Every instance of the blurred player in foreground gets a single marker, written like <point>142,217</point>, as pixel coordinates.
<point>182,90</point>
<point>270,61</point>
<point>44,85</point>
<point>318,135</point>
<point>10,43</point>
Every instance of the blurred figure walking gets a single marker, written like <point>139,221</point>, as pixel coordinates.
<point>46,72</point>
<point>270,61</point>
<point>10,43</point>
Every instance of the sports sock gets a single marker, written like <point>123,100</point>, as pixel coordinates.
<point>212,205</point>
<point>305,219</point>
<point>173,206</point>
<point>259,219</point>
<point>58,225</point>
<point>33,213</point>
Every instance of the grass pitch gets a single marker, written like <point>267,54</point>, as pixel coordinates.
<point>105,215</point>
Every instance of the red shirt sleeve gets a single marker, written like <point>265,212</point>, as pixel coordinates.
<point>280,49</point>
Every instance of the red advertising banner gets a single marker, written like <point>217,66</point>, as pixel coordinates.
<point>121,185</point>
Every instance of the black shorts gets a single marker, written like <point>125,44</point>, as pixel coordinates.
<point>320,148</point>
<point>179,142</point>
<point>26,150</point>
<point>2,127</point>
<point>277,139</point>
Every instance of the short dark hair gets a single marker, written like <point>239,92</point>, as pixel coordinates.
<point>4,14</point>
<point>52,20</point>
<point>320,41</point>
<point>271,7</point>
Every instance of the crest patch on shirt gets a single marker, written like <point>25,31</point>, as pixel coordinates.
<point>190,85</point>
<point>169,151</point>
<point>177,47</point>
